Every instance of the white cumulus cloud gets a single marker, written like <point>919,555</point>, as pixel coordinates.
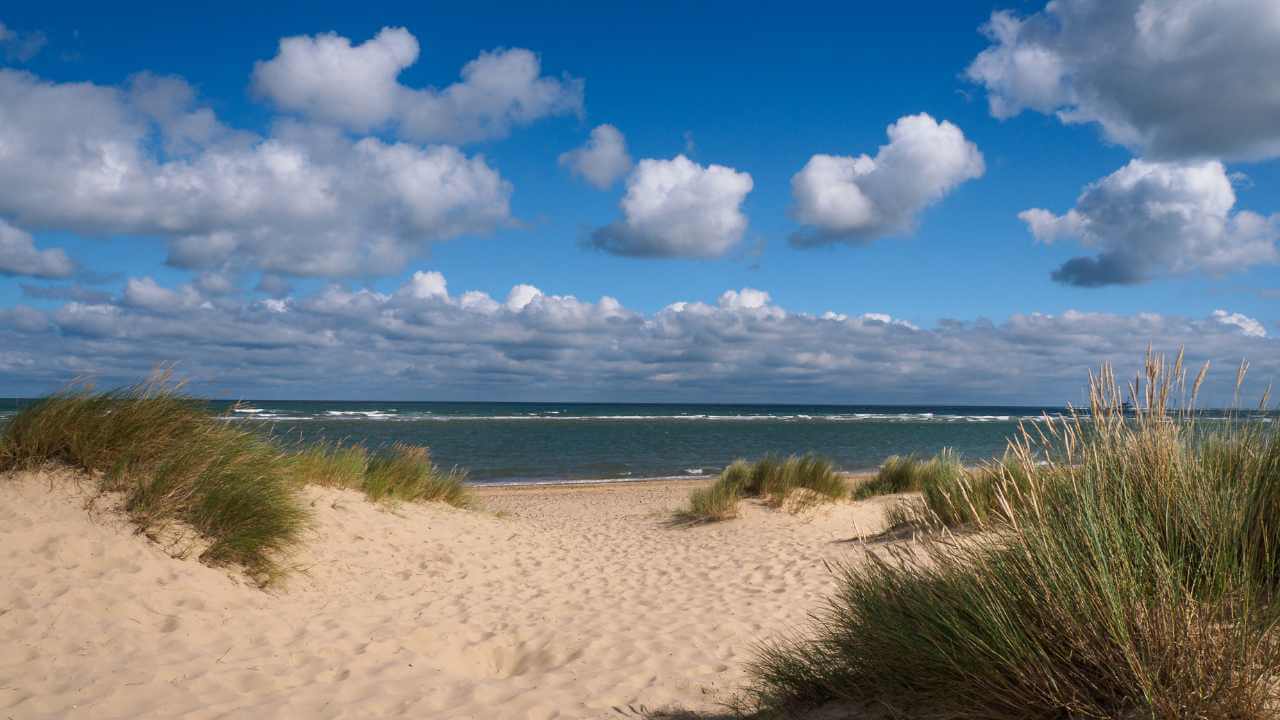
<point>1173,79</point>
<point>602,160</point>
<point>146,293</point>
<point>499,90</point>
<point>19,256</point>
<point>420,341</point>
<point>744,299</point>
<point>424,285</point>
<point>303,201</point>
<point>520,297</point>
<point>857,199</point>
<point>678,208</point>
<point>1247,325</point>
<point>1150,218</point>
<point>325,77</point>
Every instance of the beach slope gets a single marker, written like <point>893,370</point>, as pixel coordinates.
<point>552,602</point>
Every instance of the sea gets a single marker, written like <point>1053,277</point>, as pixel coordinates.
<point>579,442</point>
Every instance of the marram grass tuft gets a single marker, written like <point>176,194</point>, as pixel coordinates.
<point>176,462</point>
<point>796,482</point>
<point>1126,567</point>
<point>405,472</point>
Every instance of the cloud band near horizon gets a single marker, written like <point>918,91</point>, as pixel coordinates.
<point>422,341</point>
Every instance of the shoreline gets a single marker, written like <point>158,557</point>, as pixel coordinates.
<point>606,482</point>
<point>587,482</point>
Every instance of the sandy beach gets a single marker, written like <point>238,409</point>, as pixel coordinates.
<point>548,602</point>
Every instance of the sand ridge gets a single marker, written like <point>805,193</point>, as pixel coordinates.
<point>552,602</point>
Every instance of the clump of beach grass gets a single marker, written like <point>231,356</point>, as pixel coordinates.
<point>1130,572</point>
<point>795,482</point>
<point>897,474</point>
<point>406,473</point>
<point>908,473</point>
<point>736,477</point>
<point>400,473</point>
<point>952,496</point>
<point>174,461</point>
<point>714,503</point>
<point>719,501</point>
<point>330,464</point>
<point>801,481</point>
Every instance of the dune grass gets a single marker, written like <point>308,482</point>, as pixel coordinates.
<point>173,461</point>
<point>952,496</point>
<point>406,473</point>
<point>330,464</point>
<point>737,476</point>
<point>400,473</point>
<point>898,474</point>
<point>717,502</point>
<point>908,473</point>
<point>795,482</point>
<point>1130,572</point>
<point>803,480</point>
<point>177,462</point>
<point>956,496</point>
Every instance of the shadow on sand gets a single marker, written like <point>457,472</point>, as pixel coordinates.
<point>904,533</point>
<point>641,712</point>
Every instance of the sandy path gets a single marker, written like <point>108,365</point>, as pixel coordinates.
<point>552,603</point>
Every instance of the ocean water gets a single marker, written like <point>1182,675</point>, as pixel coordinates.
<point>554,442</point>
<point>573,442</point>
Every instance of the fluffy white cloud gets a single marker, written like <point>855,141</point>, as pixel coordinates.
<point>425,285</point>
<point>886,319</point>
<point>477,301</point>
<point>744,299</point>
<point>678,208</point>
<point>499,90</point>
<point>602,160</point>
<point>536,344</point>
<point>326,78</point>
<point>1247,325</point>
<point>1148,219</point>
<point>19,256</point>
<point>304,201</point>
<point>1171,79</point>
<point>169,104</point>
<point>520,297</point>
<point>146,293</point>
<point>857,199</point>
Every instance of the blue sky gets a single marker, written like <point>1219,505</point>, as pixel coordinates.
<point>749,88</point>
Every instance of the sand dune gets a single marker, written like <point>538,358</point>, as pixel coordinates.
<point>561,602</point>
